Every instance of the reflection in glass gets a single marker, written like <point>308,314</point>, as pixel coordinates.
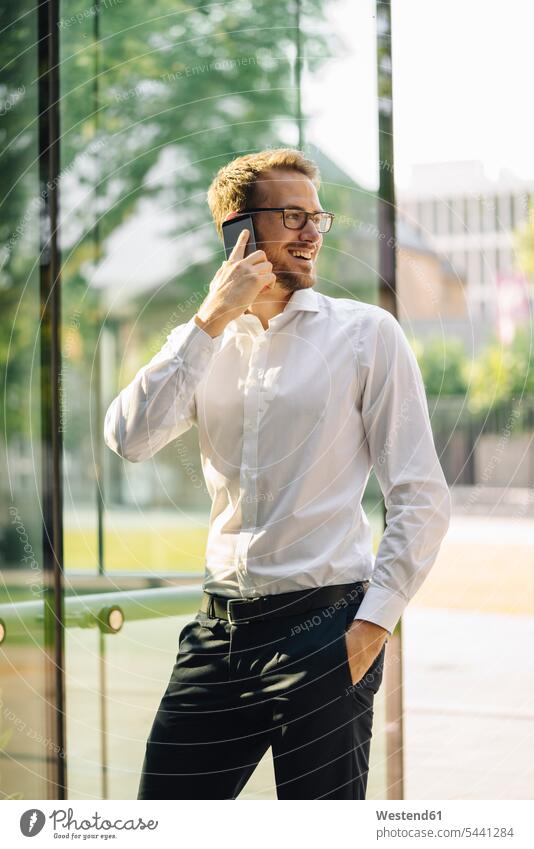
<point>25,744</point>
<point>154,100</point>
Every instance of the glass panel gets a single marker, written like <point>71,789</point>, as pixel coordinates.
<point>341,135</point>
<point>153,102</point>
<point>112,702</point>
<point>24,734</point>
<point>472,616</point>
<point>82,156</point>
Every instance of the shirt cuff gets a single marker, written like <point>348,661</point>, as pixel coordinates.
<point>381,606</point>
<point>191,344</point>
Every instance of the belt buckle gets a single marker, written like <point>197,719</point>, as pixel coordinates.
<point>229,603</point>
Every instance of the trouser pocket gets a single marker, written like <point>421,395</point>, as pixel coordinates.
<point>372,679</point>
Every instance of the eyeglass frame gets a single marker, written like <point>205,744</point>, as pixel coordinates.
<point>283,210</point>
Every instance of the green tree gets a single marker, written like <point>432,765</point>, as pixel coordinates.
<point>154,99</point>
<point>443,365</point>
<point>180,87</point>
<point>503,375</point>
<point>498,377</point>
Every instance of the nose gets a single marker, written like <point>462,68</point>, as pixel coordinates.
<point>311,231</point>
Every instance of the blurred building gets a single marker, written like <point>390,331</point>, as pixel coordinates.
<point>429,289</point>
<point>470,221</point>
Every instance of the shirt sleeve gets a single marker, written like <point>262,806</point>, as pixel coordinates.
<point>401,445</point>
<point>159,404</point>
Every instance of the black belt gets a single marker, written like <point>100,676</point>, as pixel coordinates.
<point>241,610</point>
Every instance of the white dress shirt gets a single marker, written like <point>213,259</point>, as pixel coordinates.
<point>291,420</point>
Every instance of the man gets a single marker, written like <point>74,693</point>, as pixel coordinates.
<point>295,395</point>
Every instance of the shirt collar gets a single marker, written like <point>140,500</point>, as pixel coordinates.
<point>301,299</point>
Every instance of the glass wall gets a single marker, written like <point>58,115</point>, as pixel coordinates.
<point>114,682</point>
<point>153,100</point>
<point>339,131</point>
<point>26,744</point>
<point>152,106</point>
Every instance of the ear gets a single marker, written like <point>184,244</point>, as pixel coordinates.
<point>231,215</point>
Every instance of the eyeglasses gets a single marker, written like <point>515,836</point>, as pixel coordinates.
<point>296,219</point>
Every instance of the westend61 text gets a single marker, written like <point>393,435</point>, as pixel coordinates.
<point>408,815</point>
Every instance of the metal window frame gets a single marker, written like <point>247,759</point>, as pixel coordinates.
<point>387,213</point>
<point>50,352</point>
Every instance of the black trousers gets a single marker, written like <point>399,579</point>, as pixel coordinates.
<point>285,682</point>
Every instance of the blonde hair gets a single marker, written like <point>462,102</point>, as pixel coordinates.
<point>233,187</point>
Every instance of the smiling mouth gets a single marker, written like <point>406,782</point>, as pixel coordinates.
<point>305,257</point>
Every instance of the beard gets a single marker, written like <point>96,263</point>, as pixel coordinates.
<point>288,279</point>
<point>291,281</point>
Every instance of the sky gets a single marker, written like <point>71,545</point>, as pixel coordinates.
<point>462,90</point>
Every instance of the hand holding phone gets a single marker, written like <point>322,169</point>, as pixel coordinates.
<point>235,286</point>
<point>231,229</point>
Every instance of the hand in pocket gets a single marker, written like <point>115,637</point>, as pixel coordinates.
<point>364,641</point>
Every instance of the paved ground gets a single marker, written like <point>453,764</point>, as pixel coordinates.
<point>484,564</point>
<point>469,705</point>
<point>469,667</point>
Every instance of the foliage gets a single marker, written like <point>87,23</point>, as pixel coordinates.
<point>157,102</point>
<point>443,366</point>
<point>503,375</point>
<point>154,99</point>
<point>499,376</point>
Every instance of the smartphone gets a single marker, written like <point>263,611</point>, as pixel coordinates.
<point>231,230</point>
